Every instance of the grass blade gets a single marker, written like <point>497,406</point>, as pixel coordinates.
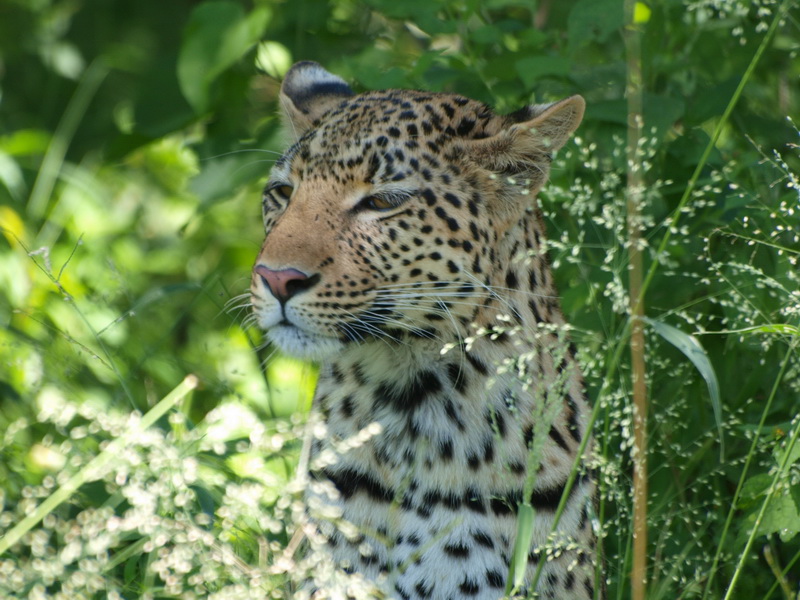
<point>693,350</point>
<point>519,560</point>
<point>782,328</point>
<point>780,473</point>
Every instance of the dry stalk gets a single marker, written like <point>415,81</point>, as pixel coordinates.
<point>635,186</point>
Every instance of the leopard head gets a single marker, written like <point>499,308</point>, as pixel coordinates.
<point>386,216</point>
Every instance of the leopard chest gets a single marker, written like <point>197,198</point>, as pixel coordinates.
<point>430,468</point>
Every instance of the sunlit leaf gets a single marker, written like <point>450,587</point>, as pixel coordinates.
<point>11,225</point>
<point>641,13</point>
<point>273,58</point>
<point>25,142</point>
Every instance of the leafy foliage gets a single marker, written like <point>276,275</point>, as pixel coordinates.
<point>134,138</point>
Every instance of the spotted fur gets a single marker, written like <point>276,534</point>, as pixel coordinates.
<point>403,251</point>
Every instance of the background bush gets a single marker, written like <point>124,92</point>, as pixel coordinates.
<point>134,141</point>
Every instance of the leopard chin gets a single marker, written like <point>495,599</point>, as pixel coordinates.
<point>303,344</point>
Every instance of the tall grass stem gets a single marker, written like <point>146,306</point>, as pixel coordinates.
<point>634,189</point>
<point>676,214</point>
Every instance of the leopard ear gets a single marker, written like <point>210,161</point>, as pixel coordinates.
<point>309,91</point>
<point>524,146</point>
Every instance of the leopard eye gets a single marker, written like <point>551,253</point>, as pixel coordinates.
<point>376,203</point>
<point>282,191</point>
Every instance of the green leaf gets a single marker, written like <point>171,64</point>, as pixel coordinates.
<point>519,560</point>
<point>222,175</point>
<point>789,454</point>
<point>11,177</point>
<point>593,20</point>
<point>25,142</point>
<point>781,517</point>
<point>754,488</point>
<point>131,572</point>
<point>533,68</point>
<point>218,34</point>
<point>662,112</point>
<point>692,349</point>
<point>171,162</point>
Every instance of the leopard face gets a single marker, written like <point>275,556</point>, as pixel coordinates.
<point>384,218</point>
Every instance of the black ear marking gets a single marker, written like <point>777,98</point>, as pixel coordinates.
<point>307,82</point>
<point>309,91</point>
<point>526,113</point>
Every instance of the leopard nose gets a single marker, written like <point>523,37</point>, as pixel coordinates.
<point>285,283</point>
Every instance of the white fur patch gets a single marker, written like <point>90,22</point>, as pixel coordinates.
<point>303,344</point>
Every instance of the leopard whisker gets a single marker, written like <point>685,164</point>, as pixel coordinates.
<point>265,362</point>
<point>242,151</point>
<point>442,306</point>
<point>249,321</point>
<point>236,304</point>
<point>397,323</point>
<point>236,316</point>
<point>437,285</point>
<point>502,300</point>
<point>402,301</point>
<point>495,288</point>
<point>236,309</point>
<point>384,319</point>
<point>406,295</point>
<point>376,332</point>
<point>357,321</point>
<point>237,298</point>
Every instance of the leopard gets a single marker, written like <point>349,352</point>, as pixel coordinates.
<point>405,253</point>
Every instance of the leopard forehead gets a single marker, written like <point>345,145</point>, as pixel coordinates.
<point>412,114</point>
<point>391,126</point>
